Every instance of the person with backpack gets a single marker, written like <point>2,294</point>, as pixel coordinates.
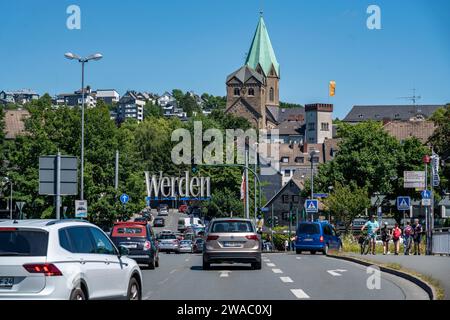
<point>385,238</point>
<point>396,234</point>
<point>407,238</point>
<point>417,236</point>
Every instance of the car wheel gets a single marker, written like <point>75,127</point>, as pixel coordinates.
<point>297,251</point>
<point>206,265</point>
<point>313,252</point>
<point>77,294</point>
<point>157,263</point>
<point>325,250</point>
<point>134,290</point>
<point>257,265</point>
<point>151,264</point>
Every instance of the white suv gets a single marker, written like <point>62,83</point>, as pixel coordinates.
<point>64,259</point>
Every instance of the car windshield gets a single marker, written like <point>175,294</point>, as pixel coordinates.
<point>17,242</point>
<point>167,236</point>
<point>308,228</point>
<point>233,226</point>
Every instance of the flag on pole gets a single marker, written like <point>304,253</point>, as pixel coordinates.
<point>243,186</point>
<point>332,88</point>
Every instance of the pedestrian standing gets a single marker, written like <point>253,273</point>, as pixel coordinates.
<point>372,229</point>
<point>407,238</point>
<point>417,236</point>
<point>286,245</point>
<point>385,238</point>
<point>396,234</point>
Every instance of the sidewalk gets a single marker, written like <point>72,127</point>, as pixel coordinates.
<point>436,267</point>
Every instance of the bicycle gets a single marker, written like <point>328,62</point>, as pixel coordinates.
<point>364,242</point>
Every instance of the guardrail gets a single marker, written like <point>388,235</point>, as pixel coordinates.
<point>441,241</point>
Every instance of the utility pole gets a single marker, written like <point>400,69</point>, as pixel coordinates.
<point>247,203</point>
<point>427,216</point>
<point>116,179</point>
<point>11,199</point>
<point>58,186</point>
<point>254,178</point>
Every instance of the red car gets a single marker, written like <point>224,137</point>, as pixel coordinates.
<point>183,208</point>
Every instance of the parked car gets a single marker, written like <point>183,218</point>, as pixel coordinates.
<point>232,240</point>
<point>390,221</point>
<point>168,243</point>
<point>182,208</point>
<point>316,236</point>
<point>140,219</point>
<point>163,212</point>
<point>139,239</point>
<point>185,224</point>
<point>159,222</point>
<point>186,246</point>
<point>198,245</point>
<point>64,260</point>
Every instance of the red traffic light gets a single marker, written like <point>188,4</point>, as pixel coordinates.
<point>426,159</point>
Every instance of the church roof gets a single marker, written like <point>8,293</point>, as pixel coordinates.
<point>261,51</point>
<point>245,73</point>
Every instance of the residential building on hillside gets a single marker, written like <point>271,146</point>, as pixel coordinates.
<point>165,99</point>
<point>131,106</point>
<point>76,99</point>
<point>108,96</point>
<point>19,96</point>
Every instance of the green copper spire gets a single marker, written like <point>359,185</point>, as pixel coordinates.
<point>261,51</point>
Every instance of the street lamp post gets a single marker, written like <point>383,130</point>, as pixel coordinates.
<point>83,61</point>
<point>7,180</point>
<point>312,154</point>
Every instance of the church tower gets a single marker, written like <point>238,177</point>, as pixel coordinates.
<point>255,86</point>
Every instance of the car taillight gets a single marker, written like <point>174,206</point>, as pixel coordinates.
<point>252,237</point>
<point>212,238</point>
<point>48,269</point>
<point>321,239</point>
<point>147,245</point>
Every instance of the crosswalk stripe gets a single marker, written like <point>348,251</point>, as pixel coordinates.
<point>299,293</point>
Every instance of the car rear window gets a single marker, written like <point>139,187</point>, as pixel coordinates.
<point>167,236</point>
<point>20,242</point>
<point>129,231</point>
<point>308,228</point>
<point>231,226</point>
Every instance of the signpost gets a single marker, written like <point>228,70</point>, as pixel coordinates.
<point>124,198</point>
<point>20,206</point>
<point>81,209</point>
<point>414,179</point>
<point>404,204</point>
<point>320,195</point>
<point>426,198</point>
<point>58,176</point>
<point>312,206</point>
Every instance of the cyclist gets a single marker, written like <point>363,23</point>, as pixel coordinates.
<point>372,228</point>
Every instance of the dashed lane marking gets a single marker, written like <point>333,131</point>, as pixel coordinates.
<point>299,293</point>
<point>173,271</point>
<point>277,271</point>
<point>286,279</point>
<point>270,264</point>
<point>224,274</point>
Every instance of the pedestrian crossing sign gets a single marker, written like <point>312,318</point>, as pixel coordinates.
<point>403,203</point>
<point>312,206</point>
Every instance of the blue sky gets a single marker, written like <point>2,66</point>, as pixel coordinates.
<point>157,45</point>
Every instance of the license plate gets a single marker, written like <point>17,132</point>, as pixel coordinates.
<point>308,240</point>
<point>232,244</point>
<point>6,282</point>
<point>130,246</point>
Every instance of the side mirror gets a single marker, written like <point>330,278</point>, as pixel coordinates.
<point>123,251</point>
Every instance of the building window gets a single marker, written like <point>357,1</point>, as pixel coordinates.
<point>251,92</point>
<point>300,160</point>
<point>285,159</point>
<point>397,116</point>
<point>325,126</point>
<point>286,198</point>
<point>237,92</point>
<point>287,173</point>
<point>361,116</point>
<point>271,94</point>
<point>311,126</point>
<point>295,199</point>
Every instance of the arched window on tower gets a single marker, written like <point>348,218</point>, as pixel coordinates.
<point>237,92</point>
<point>251,92</point>
<point>271,94</point>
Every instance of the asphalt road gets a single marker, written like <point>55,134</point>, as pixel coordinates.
<point>284,276</point>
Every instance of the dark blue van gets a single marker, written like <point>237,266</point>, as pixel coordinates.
<point>316,236</point>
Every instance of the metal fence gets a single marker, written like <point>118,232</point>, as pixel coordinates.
<point>441,241</point>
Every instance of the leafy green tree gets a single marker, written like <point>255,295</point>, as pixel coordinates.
<point>189,105</point>
<point>178,95</point>
<point>152,110</point>
<point>287,105</point>
<point>346,202</point>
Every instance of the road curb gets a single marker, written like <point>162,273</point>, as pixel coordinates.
<point>428,288</point>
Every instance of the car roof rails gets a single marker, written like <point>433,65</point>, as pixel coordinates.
<point>53,222</point>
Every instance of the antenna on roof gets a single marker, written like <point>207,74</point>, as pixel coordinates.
<point>413,98</point>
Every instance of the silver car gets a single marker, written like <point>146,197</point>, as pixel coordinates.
<point>186,246</point>
<point>232,240</point>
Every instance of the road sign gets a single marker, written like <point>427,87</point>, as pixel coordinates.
<point>436,180</point>
<point>403,203</point>
<point>81,209</point>
<point>265,209</point>
<point>312,206</point>
<point>320,195</point>
<point>426,202</point>
<point>414,179</point>
<point>20,205</point>
<point>48,173</point>
<point>124,198</point>
<point>426,194</point>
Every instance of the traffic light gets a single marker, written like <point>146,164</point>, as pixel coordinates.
<point>275,221</point>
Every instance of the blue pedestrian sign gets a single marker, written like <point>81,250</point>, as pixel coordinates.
<point>403,203</point>
<point>426,194</point>
<point>124,198</point>
<point>312,206</point>
<point>264,209</point>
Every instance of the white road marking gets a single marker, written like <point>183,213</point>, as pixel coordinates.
<point>299,293</point>
<point>336,273</point>
<point>270,264</point>
<point>298,258</point>
<point>164,281</point>
<point>186,260</point>
<point>286,279</point>
<point>173,271</point>
<point>277,271</point>
<point>224,274</point>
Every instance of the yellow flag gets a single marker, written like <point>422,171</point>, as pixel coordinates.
<point>332,88</point>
